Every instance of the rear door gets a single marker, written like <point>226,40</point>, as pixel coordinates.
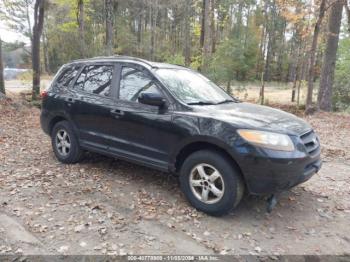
<point>94,91</point>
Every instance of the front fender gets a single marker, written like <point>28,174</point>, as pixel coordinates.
<point>199,139</point>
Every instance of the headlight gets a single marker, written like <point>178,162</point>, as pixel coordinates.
<point>267,139</point>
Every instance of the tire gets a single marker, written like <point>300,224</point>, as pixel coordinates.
<point>230,182</point>
<point>72,152</point>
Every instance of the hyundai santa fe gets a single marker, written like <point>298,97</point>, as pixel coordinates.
<point>174,119</point>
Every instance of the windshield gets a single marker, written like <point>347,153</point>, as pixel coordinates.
<point>191,87</point>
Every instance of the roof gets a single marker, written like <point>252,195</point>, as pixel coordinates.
<point>128,59</point>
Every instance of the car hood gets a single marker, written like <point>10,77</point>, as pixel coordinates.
<point>247,115</point>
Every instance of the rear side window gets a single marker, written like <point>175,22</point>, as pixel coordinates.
<point>96,79</point>
<point>65,79</point>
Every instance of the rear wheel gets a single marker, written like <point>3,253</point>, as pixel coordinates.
<point>211,183</point>
<point>65,144</point>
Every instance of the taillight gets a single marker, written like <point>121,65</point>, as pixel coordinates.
<point>44,94</point>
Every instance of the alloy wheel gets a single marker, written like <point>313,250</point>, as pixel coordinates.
<point>207,183</point>
<point>63,142</point>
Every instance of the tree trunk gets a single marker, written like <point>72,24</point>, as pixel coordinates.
<point>270,32</point>
<point>292,65</point>
<point>81,27</point>
<point>330,56</point>
<point>281,52</point>
<point>222,16</point>
<point>296,66</point>
<point>312,56</point>
<point>139,32</point>
<point>46,53</point>
<point>207,47</point>
<point>212,27</point>
<point>201,40</point>
<point>262,77</point>
<point>173,32</point>
<point>39,9</point>
<point>264,61</point>
<point>228,88</point>
<point>109,12</point>
<point>267,73</point>
<point>261,57</point>
<point>153,18</point>
<point>299,93</point>
<point>187,44</point>
<point>262,89</point>
<point>347,9</point>
<point>2,82</point>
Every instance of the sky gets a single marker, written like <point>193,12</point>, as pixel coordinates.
<point>9,36</point>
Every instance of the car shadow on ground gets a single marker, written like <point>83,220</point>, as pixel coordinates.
<point>297,200</point>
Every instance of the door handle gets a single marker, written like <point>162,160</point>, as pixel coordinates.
<point>117,112</point>
<point>69,99</point>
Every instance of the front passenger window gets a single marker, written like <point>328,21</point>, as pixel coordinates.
<point>133,82</point>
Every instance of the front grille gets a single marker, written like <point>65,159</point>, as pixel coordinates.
<point>311,143</point>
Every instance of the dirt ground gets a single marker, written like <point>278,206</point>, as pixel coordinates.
<point>107,206</point>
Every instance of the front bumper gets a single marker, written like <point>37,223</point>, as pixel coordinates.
<point>268,172</point>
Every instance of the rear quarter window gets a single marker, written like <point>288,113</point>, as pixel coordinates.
<point>66,77</point>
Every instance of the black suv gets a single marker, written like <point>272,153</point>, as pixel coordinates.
<point>175,120</point>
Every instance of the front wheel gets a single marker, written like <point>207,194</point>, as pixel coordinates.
<point>211,183</point>
<point>65,144</point>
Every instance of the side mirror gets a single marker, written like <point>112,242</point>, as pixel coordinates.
<point>152,99</point>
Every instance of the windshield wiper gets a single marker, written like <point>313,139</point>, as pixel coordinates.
<point>201,103</point>
<point>206,103</point>
<point>226,101</point>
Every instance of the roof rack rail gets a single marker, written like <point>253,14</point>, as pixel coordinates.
<point>181,65</point>
<point>134,58</point>
<point>116,56</point>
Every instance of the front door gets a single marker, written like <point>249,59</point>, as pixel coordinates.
<point>142,132</point>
